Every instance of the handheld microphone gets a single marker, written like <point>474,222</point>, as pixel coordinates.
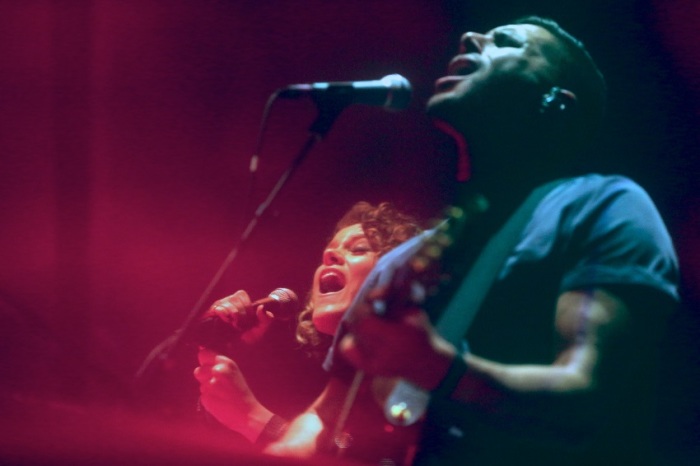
<point>215,333</point>
<point>281,302</point>
<point>392,92</point>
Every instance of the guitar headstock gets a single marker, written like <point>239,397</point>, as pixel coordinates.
<point>424,273</point>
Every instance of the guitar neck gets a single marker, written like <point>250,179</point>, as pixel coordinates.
<point>466,236</point>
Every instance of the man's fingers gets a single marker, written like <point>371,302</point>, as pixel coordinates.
<point>206,357</point>
<point>202,374</point>
<point>348,348</point>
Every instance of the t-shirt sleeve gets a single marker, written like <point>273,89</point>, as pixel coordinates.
<point>617,237</point>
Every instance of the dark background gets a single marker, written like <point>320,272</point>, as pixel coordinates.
<point>127,128</point>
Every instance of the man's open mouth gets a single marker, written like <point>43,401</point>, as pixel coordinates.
<point>460,67</point>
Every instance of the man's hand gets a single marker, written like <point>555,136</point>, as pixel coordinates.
<point>406,346</point>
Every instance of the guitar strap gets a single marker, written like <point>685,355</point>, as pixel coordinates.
<point>467,299</point>
<point>407,403</point>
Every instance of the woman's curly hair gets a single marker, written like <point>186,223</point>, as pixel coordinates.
<point>385,228</point>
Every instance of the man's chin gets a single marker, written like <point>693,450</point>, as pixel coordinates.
<point>434,101</point>
<point>440,106</point>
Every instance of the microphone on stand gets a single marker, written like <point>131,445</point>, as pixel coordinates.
<point>392,92</point>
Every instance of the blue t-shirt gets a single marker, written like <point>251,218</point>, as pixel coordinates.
<point>589,232</point>
<point>608,231</point>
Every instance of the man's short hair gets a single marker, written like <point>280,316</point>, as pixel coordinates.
<point>579,75</point>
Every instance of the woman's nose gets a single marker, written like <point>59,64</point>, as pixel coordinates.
<point>472,42</point>
<point>332,257</point>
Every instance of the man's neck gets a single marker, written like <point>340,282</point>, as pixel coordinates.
<point>502,193</point>
<point>503,168</point>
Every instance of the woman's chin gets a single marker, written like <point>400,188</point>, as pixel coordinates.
<point>327,320</point>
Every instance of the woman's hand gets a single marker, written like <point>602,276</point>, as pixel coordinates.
<point>235,310</point>
<point>225,394</point>
<point>300,440</point>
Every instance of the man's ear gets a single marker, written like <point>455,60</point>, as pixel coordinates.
<point>557,101</point>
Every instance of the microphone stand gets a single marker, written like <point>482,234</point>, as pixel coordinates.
<point>328,112</point>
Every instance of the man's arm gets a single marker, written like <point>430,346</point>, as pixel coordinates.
<point>600,346</point>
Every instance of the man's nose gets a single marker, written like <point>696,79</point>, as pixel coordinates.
<point>332,257</point>
<point>472,42</point>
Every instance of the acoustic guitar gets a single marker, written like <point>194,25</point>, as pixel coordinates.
<point>421,273</point>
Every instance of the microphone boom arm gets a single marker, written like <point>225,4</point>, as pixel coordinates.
<point>393,91</point>
<point>163,351</point>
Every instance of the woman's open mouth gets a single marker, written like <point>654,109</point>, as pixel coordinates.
<point>330,281</point>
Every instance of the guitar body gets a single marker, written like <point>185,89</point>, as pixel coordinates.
<point>366,434</point>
